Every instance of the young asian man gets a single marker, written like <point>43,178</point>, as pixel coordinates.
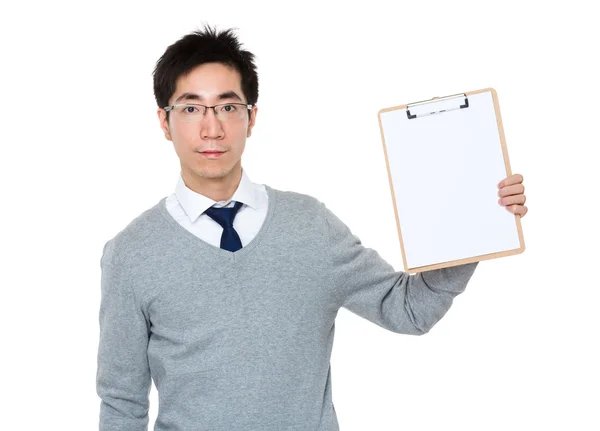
<point>225,293</point>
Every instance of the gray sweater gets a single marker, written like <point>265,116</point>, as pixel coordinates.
<point>242,341</point>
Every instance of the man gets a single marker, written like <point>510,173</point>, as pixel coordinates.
<point>226,292</point>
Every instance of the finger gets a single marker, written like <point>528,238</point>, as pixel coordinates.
<point>517,209</point>
<point>511,200</point>
<point>516,189</point>
<point>513,179</point>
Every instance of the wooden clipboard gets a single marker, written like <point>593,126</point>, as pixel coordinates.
<point>445,157</point>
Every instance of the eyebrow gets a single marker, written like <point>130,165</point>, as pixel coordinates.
<point>222,96</point>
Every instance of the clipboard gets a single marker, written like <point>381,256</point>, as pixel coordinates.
<point>445,157</point>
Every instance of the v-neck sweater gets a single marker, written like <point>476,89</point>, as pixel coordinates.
<point>242,340</point>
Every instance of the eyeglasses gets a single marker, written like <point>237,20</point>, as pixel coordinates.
<point>193,112</point>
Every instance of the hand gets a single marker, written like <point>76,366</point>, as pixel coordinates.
<point>512,194</point>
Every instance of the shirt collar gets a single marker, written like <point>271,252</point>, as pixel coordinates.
<point>194,204</point>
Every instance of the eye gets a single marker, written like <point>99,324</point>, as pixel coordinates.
<point>189,109</point>
<point>228,108</point>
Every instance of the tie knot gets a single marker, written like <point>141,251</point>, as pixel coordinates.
<point>224,216</point>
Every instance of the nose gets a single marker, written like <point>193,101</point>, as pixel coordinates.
<point>210,126</point>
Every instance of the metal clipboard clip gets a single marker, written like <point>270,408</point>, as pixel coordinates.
<point>437,105</point>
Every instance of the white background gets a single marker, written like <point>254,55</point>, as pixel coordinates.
<point>82,155</point>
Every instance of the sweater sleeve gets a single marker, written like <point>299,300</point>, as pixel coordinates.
<point>123,375</point>
<point>370,287</point>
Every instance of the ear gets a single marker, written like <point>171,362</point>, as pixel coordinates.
<point>252,120</point>
<point>164,123</point>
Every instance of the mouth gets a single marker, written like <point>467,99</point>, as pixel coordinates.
<point>212,154</point>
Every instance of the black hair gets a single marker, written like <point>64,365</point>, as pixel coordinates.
<point>199,47</point>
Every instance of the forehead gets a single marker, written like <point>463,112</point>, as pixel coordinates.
<point>209,80</point>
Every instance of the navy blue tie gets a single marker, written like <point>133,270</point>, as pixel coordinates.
<point>230,239</point>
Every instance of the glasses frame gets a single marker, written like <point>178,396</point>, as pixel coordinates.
<point>206,108</point>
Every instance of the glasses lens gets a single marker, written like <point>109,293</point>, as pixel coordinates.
<point>229,112</point>
<point>188,113</point>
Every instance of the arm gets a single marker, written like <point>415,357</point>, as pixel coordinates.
<point>123,375</point>
<point>369,287</point>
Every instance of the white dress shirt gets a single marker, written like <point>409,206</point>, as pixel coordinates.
<point>187,208</point>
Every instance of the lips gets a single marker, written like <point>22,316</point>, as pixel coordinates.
<point>212,154</point>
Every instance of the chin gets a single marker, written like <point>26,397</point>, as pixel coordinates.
<point>214,172</point>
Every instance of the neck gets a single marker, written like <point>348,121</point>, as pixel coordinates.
<point>217,188</point>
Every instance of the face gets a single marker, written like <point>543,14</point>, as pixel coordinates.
<point>209,84</point>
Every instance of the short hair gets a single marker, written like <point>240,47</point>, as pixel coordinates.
<point>199,47</point>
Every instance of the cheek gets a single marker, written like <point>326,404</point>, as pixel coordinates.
<point>238,138</point>
<point>240,144</point>
<point>183,137</point>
